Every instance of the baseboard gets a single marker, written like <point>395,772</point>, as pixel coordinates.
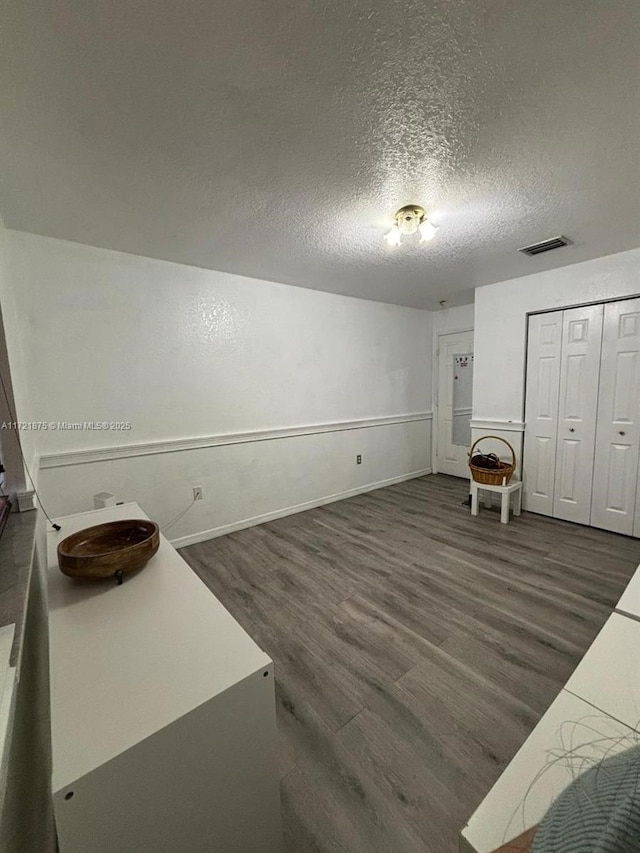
<point>213,532</point>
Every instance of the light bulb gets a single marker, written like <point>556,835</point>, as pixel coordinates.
<point>393,237</point>
<point>408,222</point>
<point>427,231</point>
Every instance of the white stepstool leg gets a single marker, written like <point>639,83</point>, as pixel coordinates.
<point>474,498</point>
<point>504,509</point>
<point>487,499</point>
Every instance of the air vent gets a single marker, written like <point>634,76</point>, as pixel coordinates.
<point>545,246</point>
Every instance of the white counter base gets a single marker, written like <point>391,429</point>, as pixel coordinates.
<point>7,693</point>
<point>163,713</point>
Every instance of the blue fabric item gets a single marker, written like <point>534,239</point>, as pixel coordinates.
<point>598,813</point>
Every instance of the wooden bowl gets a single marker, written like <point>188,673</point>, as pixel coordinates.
<point>109,550</point>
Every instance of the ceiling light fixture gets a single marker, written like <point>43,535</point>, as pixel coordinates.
<point>408,220</point>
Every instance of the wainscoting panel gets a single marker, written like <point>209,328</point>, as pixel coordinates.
<point>246,478</point>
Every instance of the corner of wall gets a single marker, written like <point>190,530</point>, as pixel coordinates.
<point>10,439</point>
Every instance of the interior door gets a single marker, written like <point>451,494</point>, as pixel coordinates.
<point>543,385</point>
<point>578,402</point>
<point>455,385</point>
<point>615,478</point>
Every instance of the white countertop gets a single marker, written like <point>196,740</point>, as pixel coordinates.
<point>629,603</point>
<point>128,660</point>
<point>608,676</point>
<point>596,715</point>
<point>571,737</point>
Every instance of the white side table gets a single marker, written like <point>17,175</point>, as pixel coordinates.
<point>514,488</point>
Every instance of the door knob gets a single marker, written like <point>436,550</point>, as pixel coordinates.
<point>622,432</point>
<point>571,429</point>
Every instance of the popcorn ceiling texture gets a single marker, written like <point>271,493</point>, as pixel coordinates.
<point>276,138</point>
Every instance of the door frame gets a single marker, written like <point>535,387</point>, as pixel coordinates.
<point>435,390</point>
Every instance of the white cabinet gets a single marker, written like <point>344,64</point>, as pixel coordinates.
<point>582,434</point>
<point>162,713</point>
<point>7,698</point>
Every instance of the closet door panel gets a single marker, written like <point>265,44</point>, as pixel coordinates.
<point>618,430</point>
<point>543,380</point>
<point>579,370</point>
<point>569,480</point>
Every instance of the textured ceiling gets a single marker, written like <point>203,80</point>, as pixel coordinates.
<point>276,138</point>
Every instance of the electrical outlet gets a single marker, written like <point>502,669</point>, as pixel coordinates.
<point>197,493</point>
<point>358,459</point>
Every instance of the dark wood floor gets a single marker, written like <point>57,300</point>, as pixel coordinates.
<point>415,648</point>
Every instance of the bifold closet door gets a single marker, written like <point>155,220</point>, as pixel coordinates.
<point>543,383</point>
<point>577,406</point>
<point>615,479</point>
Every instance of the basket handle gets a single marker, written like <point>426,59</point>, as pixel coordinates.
<point>498,438</point>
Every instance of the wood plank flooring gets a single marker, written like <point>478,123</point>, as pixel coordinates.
<point>415,648</point>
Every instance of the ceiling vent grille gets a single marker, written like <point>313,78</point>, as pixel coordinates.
<point>545,246</point>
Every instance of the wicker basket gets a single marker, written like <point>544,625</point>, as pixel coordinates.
<point>493,476</point>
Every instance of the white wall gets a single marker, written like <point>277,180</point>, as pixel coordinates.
<point>457,319</point>
<point>183,353</point>
<point>13,479</point>
<point>501,328</point>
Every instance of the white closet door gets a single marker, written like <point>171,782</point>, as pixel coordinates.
<point>579,371</point>
<point>615,478</point>
<point>543,382</point>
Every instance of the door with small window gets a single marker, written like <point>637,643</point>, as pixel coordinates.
<point>454,403</point>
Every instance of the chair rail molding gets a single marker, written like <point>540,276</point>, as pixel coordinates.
<point>502,425</point>
<point>123,451</point>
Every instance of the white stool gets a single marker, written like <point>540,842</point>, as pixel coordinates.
<point>514,487</point>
